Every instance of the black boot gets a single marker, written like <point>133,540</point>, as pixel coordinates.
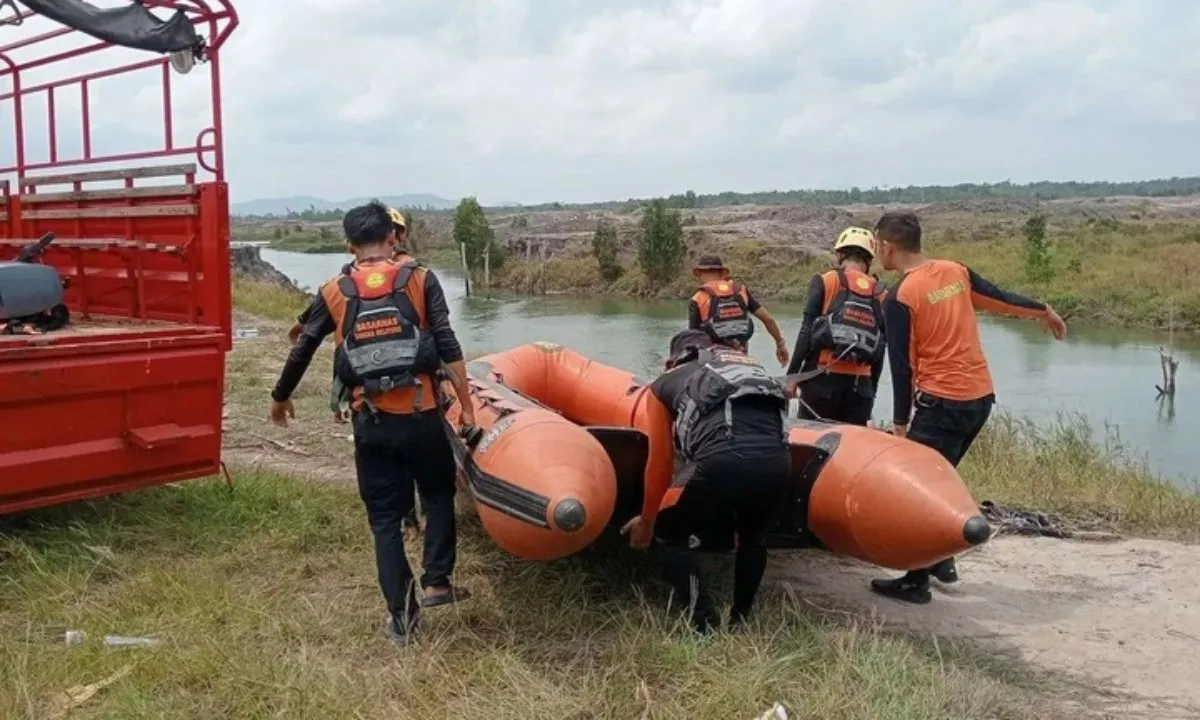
<point>706,620</point>
<point>946,571</point>
<point>913,587</point>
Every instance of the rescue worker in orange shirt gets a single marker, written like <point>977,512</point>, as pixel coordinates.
<point>732,470</point>
<point>339,401</point>
<point>943,391</point>
<point>722,307</point>
<point>392,331</point>
<point>842,333</point>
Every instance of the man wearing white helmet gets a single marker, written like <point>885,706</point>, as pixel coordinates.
<point>841,336</point>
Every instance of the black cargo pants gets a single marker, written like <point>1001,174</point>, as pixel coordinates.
<point>950,427</point>
<point>732,490</point>
<point>835,397</point>
<point>392,451</point>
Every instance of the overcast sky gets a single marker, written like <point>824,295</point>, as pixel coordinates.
<point>569,100</point>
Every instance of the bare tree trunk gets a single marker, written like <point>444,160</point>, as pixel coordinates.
<point>462,247</point>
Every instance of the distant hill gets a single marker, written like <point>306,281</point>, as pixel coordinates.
<point>299,203</point>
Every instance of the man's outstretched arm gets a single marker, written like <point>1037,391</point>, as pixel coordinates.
<point>989,297</point>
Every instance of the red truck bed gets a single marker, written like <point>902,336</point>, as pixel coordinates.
<point>130,394</point>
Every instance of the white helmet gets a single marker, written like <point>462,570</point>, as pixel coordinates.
<point>856,237</point>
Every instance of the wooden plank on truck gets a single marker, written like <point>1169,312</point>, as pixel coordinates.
<point>111,212</point>
<point>118,174</point>
<point>94,244</point>
<point>112,194</point>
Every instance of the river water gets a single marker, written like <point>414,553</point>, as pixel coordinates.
<point>1105,374</point>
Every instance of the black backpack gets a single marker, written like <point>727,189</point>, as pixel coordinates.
<point>852,327</point>
<point>383,347</point>
<point>728,318</point>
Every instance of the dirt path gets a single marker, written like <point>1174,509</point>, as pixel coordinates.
<point>1122,617</point>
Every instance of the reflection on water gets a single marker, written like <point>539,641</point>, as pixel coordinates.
<point>1108,375</point>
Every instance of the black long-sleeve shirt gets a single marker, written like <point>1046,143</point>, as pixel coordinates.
<point>804,356</point>
<point>318,324</point>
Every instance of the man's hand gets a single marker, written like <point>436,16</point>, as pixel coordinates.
<point>639,530</point>
<point>281,412</point>
<point>1054,323</point>
<point>900,430</point>
<point>781,353</point>
<point>792,388</point>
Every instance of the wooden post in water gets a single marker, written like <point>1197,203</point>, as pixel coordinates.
<point>462,250</point>
<point>487,269</point>
<point>1168,362</point>
<point>542,248</point>
<point>528,267</point>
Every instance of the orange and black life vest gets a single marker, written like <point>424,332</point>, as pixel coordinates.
<point>725,311</point>
<point>384,352</point>
<point>849,332</point>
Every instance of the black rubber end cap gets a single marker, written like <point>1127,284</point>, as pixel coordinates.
<point>569,515</point>
<point>976,530</point>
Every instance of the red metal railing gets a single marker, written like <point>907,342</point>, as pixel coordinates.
<point>221,19</point>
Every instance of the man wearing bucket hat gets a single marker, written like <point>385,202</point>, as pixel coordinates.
<point>722,308</point>
<point>841,346</point>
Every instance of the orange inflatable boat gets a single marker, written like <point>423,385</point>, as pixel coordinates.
<point>570,446</point>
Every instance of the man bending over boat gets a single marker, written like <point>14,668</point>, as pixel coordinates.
<point>937,362</point>
<point>391,328</point>
<point>732,469</point>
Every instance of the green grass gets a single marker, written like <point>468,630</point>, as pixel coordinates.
<point>308,241</point>
<point>1133,273</point>
<point>266,604</point>
<point>1060,468</point>
<point>310,244</point>
<point>268,300</point>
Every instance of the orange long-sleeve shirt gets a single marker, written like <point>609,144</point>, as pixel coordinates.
<point>933,335</point>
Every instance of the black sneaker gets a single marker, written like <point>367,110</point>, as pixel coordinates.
<point>905,589</point>
<point>946,571</point>
<point>401,634</point>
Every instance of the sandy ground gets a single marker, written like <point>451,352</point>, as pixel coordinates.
<point>1120,619</point>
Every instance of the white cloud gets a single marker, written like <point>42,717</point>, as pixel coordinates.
<point>573,100</point>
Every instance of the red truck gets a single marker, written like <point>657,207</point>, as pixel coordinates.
<point>129,393</point>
